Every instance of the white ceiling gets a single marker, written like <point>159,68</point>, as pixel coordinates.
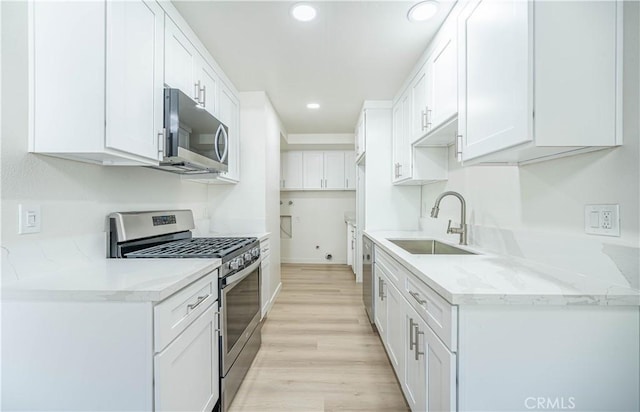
<point>353,51</point>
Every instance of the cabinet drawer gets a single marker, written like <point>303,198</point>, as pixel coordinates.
<point>265,248</point>
<point>395,271</point>
<point>174,314</point>
<point>439,314</point>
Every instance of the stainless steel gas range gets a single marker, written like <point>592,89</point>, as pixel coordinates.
<point>167,234</point>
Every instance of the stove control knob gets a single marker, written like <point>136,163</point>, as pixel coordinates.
<point>255,252</point>
<point>234,264</point>
<point>247,257</point>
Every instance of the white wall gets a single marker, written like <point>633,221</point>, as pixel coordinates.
<point>75,197</point>
<point>550,196</point>
<point>317,219</point>
<point>252,205</point>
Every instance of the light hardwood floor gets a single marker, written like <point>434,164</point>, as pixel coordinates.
<point>319,352</point>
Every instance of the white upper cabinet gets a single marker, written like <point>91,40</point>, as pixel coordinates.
<point>419,107</point>
<point>229,114</point>
<point>317,170</point>
<point>334,177</point>
<point>134,66</point>
<point>187,70</point>
<point>291,175</point>
<point>180,61</point>
<point>442,80</point>
<point>95,81</point>
<point>313,170</point>
<point>207,89</point>
<point>350,170</point>
<point>495,76</point>
<point>414,165</point>
<point>573,72</point>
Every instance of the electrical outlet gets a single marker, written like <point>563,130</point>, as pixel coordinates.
<point>602,220</point>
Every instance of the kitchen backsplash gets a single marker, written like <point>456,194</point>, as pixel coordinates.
<point>596,257</point>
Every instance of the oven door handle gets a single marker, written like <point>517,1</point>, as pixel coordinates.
<point>230,280</point>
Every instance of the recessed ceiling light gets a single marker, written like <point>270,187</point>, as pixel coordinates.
<point>423,11</point>
<point>313,106</point>
<point>303,12</point>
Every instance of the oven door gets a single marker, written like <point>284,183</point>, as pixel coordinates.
<point>240,299</point>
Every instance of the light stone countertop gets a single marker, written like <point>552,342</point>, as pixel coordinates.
<point>132,280</point>
<point>488,278</point>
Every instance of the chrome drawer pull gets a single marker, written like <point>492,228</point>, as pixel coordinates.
<point>416,296</point>
<point>192,306</point>
<point>411,339</point>
<point>417,351</point>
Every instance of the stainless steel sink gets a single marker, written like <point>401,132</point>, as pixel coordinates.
<point>428,247</point>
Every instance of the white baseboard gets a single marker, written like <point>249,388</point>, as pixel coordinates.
<point>267,307</point>
<point>313,261</point>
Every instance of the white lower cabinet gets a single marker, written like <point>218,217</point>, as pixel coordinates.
<point>186,372</point>
<point>508,357</point>
<point>414,384</point>
<point>395,328</point>
<point>430,379</point>
<point>73,355</point>
<point>265,276</point>
<point>379,288</point>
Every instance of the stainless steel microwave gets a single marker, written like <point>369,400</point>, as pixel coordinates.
<point>195,141</point>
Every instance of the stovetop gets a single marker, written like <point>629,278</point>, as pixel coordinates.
<point>219,247</point>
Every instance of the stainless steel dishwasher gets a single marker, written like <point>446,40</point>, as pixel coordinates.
<point>367,277</point>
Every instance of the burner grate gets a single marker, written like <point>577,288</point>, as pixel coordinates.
<point>193,248</point>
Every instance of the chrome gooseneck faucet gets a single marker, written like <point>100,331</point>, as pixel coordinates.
<point>462,230</point>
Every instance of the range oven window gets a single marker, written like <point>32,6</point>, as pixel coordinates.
<point>242,302</point>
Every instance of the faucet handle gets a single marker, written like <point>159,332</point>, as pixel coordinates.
<point>449,230</point>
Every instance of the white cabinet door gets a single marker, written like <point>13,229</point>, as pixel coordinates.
<point>380,302</point>
<point>180,60</point>
<point>395,330</point>
<point>313,170</point>
<point>291,170</point>
<point>404,169</point>
<point>494,90</point>
<point>229,114</point>
<point>441,371</point>
<point>134,98</point>
<point>401,136</point>
<point>443,82</point>
<point>415,384</point>
<point>265,288</point>
<point>350,170</point>
<point>186,372</point>
<point>419,104</point>
<point>334,176</point>
<point>207,87</point>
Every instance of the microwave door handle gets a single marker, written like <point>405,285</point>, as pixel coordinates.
<point>221,132</point>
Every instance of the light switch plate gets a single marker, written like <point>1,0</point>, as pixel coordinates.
<point>602,220</point>
<point>29,219</point>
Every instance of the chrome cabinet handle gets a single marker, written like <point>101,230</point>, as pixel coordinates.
<point>423,120</point>
<point>399,169</point>
<point>427,118</point>
<point>416,296</point>
<point>458,147</point>
<point>217,326</point>
<point>347,183</point>
<point>417,350</point>
<point>161,138</point>
<point>196,91</point>
<point>411,325</point>
<point>192,306</point>
<point>321,184</point>
<point>204,95</point>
